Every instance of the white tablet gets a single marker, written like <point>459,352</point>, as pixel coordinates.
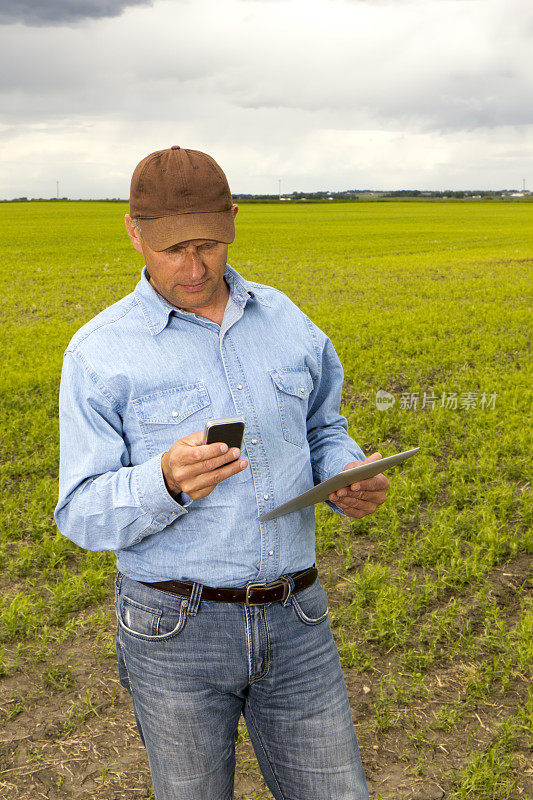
<point>322,490</point>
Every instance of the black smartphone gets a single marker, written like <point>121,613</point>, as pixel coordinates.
<point>229,430</point>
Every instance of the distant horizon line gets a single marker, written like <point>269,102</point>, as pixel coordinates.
<point>320,194</point>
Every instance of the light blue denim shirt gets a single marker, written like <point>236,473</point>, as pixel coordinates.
<point>141,375</point>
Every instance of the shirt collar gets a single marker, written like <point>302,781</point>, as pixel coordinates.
<point>156,310</point>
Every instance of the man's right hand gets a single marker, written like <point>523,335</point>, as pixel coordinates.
<point>195,468</point>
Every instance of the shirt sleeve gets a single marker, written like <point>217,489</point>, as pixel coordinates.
<point>327,429</point>
<point>105,503</point>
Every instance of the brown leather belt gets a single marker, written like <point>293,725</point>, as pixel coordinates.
<point>254,594</point>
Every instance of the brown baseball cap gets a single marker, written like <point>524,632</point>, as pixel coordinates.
<point>180,194</point>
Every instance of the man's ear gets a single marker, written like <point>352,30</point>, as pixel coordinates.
<point>133,233</point>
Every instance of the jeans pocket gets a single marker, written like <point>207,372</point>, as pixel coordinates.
<point>149,621</point>
<point>311,605</point>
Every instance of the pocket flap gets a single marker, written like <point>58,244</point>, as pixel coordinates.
<point>296,381</point>
<point>172,406</point>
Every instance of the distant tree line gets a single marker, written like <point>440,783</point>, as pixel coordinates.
<point>347,195</point>
<point>364,194</point>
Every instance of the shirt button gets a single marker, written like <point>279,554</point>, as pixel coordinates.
<point>174,413</point>
<point>265,497</point>
<point>254,441</point>
<point>239,386</point>
<point>270,552</point>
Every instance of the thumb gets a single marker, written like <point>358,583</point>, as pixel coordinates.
<point>194,439</point>
<point>373,457</point>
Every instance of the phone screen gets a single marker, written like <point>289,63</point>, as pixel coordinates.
<point>231,432</point>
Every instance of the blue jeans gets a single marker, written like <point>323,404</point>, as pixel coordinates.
<point>193,666</point>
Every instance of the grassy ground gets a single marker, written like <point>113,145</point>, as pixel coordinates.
<point>430,600</point>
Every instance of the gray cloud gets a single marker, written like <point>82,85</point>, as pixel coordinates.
<point>418,77</point>
<point>56,12</point>
<point>322,93</point>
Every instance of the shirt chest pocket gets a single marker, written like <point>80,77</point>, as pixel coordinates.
<point>170,414</point>
<point>293,385</point>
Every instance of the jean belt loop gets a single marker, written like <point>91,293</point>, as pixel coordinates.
<point>194,600</point>
<point>118,584</point>
<point>290,591</point>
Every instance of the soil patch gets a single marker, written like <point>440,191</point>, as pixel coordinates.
<point>73,735</point>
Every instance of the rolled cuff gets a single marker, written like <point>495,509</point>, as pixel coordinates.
<point>338,465</point>
<point>152,492</point>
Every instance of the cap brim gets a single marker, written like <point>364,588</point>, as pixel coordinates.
<point>164,232</point>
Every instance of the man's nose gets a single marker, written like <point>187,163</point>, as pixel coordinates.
<point>193,264</point>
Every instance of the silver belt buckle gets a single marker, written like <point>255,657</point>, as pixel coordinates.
<point>264,585</point>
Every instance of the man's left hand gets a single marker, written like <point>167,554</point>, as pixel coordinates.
<point>364,497</point>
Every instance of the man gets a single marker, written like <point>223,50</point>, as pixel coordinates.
<point>217,613</point>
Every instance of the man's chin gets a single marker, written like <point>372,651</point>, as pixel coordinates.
<point>193,297</point>
<point>192,300</point>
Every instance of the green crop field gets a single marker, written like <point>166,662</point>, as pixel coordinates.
<point>429,599</point>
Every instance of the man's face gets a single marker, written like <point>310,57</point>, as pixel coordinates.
<point>190,275</point>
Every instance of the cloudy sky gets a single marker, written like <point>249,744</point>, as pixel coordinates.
<point>322,94</point>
